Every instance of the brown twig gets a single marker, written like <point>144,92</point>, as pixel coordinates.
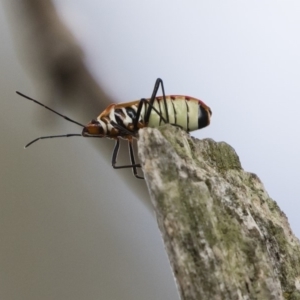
<point>56,62</point>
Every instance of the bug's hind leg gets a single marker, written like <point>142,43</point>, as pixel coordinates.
<point>133,165</point>
<point>150,105</point>
<point>158,83</point>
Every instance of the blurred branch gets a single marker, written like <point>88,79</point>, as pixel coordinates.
<point>56,57</point>
<point>56,61</point>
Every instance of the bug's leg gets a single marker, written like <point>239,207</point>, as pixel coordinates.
<point>132,159</point>
<point>122,129</point>
<point>115,155</point>
<point>150,104</point>
<point>141,103</point>
<point>158,82</point>
<point>176,125</point>
<point>133,165</point>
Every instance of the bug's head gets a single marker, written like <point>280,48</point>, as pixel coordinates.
<point>93,128</point>
<point>205,114</point>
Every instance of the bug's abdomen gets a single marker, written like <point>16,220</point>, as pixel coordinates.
<point>183,111</point>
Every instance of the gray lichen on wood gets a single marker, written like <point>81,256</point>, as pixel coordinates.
<point>225,237</point>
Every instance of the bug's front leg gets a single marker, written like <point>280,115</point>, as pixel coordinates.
<point>133,165</point>
<point>132,159</point>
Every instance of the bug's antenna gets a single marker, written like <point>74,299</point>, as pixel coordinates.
<point>41,104</point>
<point>52,136</point>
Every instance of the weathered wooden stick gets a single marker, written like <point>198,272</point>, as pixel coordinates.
<point>225,237</point>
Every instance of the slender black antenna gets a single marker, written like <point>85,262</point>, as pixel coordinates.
<point>41,104</point>
<point>52,136</point>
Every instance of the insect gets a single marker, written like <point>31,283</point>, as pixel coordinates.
<point>125,119</point>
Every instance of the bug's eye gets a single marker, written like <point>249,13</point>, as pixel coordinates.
<point>94,121</point>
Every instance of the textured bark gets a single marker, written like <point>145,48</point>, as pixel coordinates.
<point>225,237</point>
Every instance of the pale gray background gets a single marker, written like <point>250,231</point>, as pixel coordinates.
<point>70,228</point>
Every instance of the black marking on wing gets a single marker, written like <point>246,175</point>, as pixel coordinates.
<point>161,115</point>
<point>175,112</point>
<point>157,100</point>
<point>131,112</point>
<point>187,114</point>
<point>120,116</point>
